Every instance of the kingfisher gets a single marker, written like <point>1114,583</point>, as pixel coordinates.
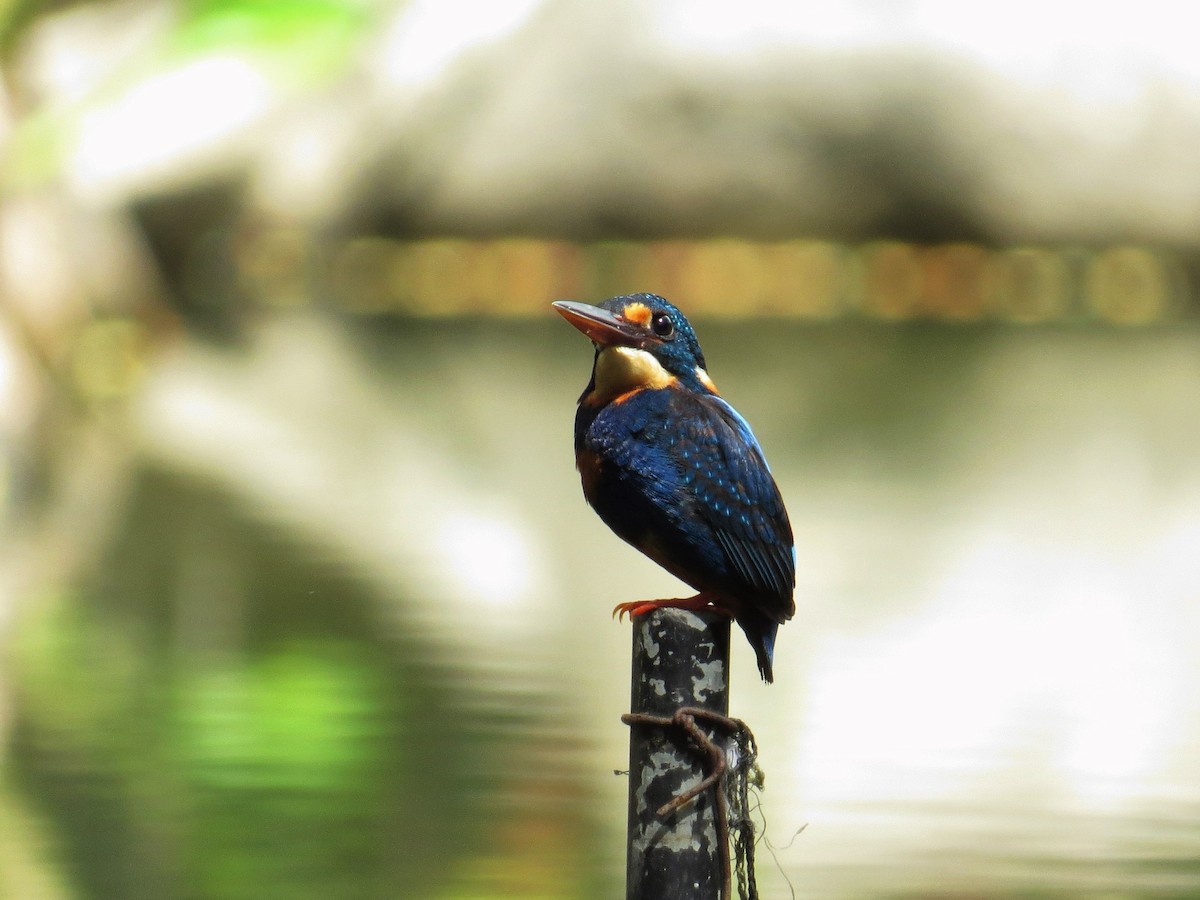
<point>676,472</point>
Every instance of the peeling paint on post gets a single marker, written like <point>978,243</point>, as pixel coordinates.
<point>680,658</point>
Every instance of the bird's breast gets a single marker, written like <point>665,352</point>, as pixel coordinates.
<point>591,471</point>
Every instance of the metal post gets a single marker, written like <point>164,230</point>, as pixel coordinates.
<point>680,659</point>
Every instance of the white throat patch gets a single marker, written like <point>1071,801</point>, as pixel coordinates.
<point>620,370</point>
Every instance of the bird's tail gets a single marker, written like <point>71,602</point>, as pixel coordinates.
<point>761,633</point>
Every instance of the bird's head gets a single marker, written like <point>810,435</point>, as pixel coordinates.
<point>642,341</point>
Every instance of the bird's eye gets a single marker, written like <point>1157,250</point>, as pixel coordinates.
<point>662,325</point>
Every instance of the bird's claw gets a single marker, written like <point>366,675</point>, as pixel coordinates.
<point>699,603</point>
<point>634,608</point>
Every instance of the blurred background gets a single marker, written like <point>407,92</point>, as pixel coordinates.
<point>298,593</point>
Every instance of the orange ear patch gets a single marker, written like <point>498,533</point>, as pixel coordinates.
<point>702,377</point>
<point>637,313</point>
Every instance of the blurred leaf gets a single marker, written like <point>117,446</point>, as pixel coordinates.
<point>296,719</point>
<point>76,674</point>
<point>307,38</point>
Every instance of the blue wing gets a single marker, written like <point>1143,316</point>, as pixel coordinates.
<point>737,496</point>
<point>688,484</point>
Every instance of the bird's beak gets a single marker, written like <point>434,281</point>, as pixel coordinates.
<point>600,325</point>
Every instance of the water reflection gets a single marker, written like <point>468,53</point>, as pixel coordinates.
<point>352,637</point>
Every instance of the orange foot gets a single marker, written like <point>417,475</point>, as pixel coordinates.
<point>699,603</point>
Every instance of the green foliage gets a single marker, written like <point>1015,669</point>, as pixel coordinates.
<point>77,679</point>
<point>304,39</point>
<point>264,777</point>
<point>293,44</point>
<point>283,762</point>
<point>296,719</point>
